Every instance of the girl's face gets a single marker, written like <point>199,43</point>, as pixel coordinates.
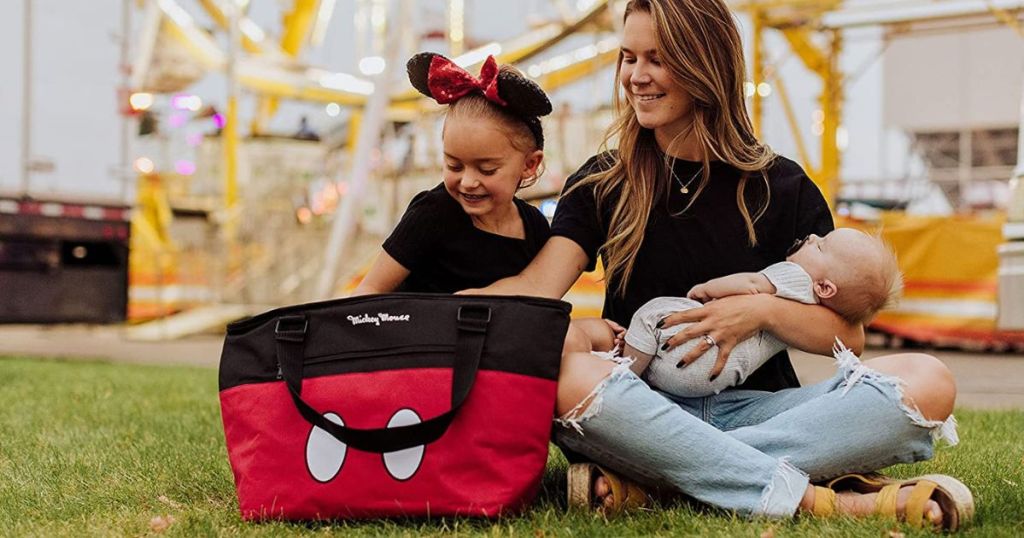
<point>482,169</point>
<point>659,102</point>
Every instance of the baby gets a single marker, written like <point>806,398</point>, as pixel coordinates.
<point>848,271</point>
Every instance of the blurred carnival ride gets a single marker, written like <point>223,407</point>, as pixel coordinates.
<point>228,218</point>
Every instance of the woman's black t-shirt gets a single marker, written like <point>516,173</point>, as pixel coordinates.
<point>708,240</point>
<point>444,253</point>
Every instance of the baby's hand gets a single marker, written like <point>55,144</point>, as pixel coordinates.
<point>735,284</point>
<point>700,292</point>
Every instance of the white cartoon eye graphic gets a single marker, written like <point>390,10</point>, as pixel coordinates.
<point>324,453</point>
<point>402,464</point>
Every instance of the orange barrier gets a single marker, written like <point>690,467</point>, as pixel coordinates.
<point>950,268</point>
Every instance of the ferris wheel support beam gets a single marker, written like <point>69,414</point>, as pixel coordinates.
<point>801,21</point>
<point>253,37</point>
<point>907,13</point>
<point>229,136</point>
<point>521,48</point>
<point>824,62</point>
<point>371,126</point>
<point>297,23</point>
<point>270,79</point>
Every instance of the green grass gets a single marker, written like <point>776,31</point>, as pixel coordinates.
<point>100,449</point>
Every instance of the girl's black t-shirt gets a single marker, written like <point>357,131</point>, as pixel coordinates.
<point>708,240</point>
<point>444,253</point>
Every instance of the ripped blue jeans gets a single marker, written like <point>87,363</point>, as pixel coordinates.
<point>753,452</point>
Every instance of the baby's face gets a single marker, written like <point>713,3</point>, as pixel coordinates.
<point>822,256</point>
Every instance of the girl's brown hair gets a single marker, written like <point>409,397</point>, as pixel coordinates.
<point>521,134</point>
<point>699,44</point>
<point>478,108</point>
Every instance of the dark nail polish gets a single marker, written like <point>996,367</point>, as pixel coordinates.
<point>665,347</point>
<point>681,364</point>
<point>660,323</point>
<point>713,378</point>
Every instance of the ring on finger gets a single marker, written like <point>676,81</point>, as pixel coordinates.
<point>709,340</point>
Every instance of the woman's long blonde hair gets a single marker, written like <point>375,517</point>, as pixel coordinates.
<point>699,44</point>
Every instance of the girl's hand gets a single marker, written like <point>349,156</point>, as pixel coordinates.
<point>723,322</point>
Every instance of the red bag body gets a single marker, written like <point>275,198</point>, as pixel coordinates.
<point>396,371</point>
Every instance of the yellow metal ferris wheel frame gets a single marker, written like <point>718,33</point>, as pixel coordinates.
<point>804,24</point>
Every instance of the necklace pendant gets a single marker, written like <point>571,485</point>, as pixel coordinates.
<point>685,190</point>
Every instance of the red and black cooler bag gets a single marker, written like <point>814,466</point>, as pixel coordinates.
<point>391,405</point>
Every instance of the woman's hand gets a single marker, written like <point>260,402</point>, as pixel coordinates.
<point>551,273</point>
<point>723,322</point>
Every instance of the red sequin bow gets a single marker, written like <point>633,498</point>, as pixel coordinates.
<point>448,82</point>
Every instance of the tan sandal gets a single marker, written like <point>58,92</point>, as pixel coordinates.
<point>626,494</point>
<point>953,497</point>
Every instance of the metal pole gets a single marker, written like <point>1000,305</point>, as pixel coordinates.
<point>126,82</point>
<point>757,103</point>
<point>832,106</point>
<point>229,135</point>
<point>1011,253</point>
<point>369,137</point>
<point>26,102</point>
<point>964,168</point>
<point>1015,212</point>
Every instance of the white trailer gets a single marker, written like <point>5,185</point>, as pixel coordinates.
<point>64,184</point>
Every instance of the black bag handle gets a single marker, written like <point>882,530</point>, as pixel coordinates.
<point>472,321</point>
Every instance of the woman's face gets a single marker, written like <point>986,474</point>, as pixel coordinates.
<point>659,101</point>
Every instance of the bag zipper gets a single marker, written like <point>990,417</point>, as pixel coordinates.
<point>338,357</point>
<point>243,325</point>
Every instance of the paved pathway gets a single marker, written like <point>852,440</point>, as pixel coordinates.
<point>985,381</point>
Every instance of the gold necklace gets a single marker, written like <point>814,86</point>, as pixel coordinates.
<point>685,188</point>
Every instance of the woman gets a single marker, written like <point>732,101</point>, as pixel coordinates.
<point>691,195</point>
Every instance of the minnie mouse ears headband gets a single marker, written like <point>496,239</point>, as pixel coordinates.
<point>442,80</point>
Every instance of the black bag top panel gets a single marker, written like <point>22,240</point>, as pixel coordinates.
<point>398,331</point>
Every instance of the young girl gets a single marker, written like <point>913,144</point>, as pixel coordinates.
<point>471,229</point>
